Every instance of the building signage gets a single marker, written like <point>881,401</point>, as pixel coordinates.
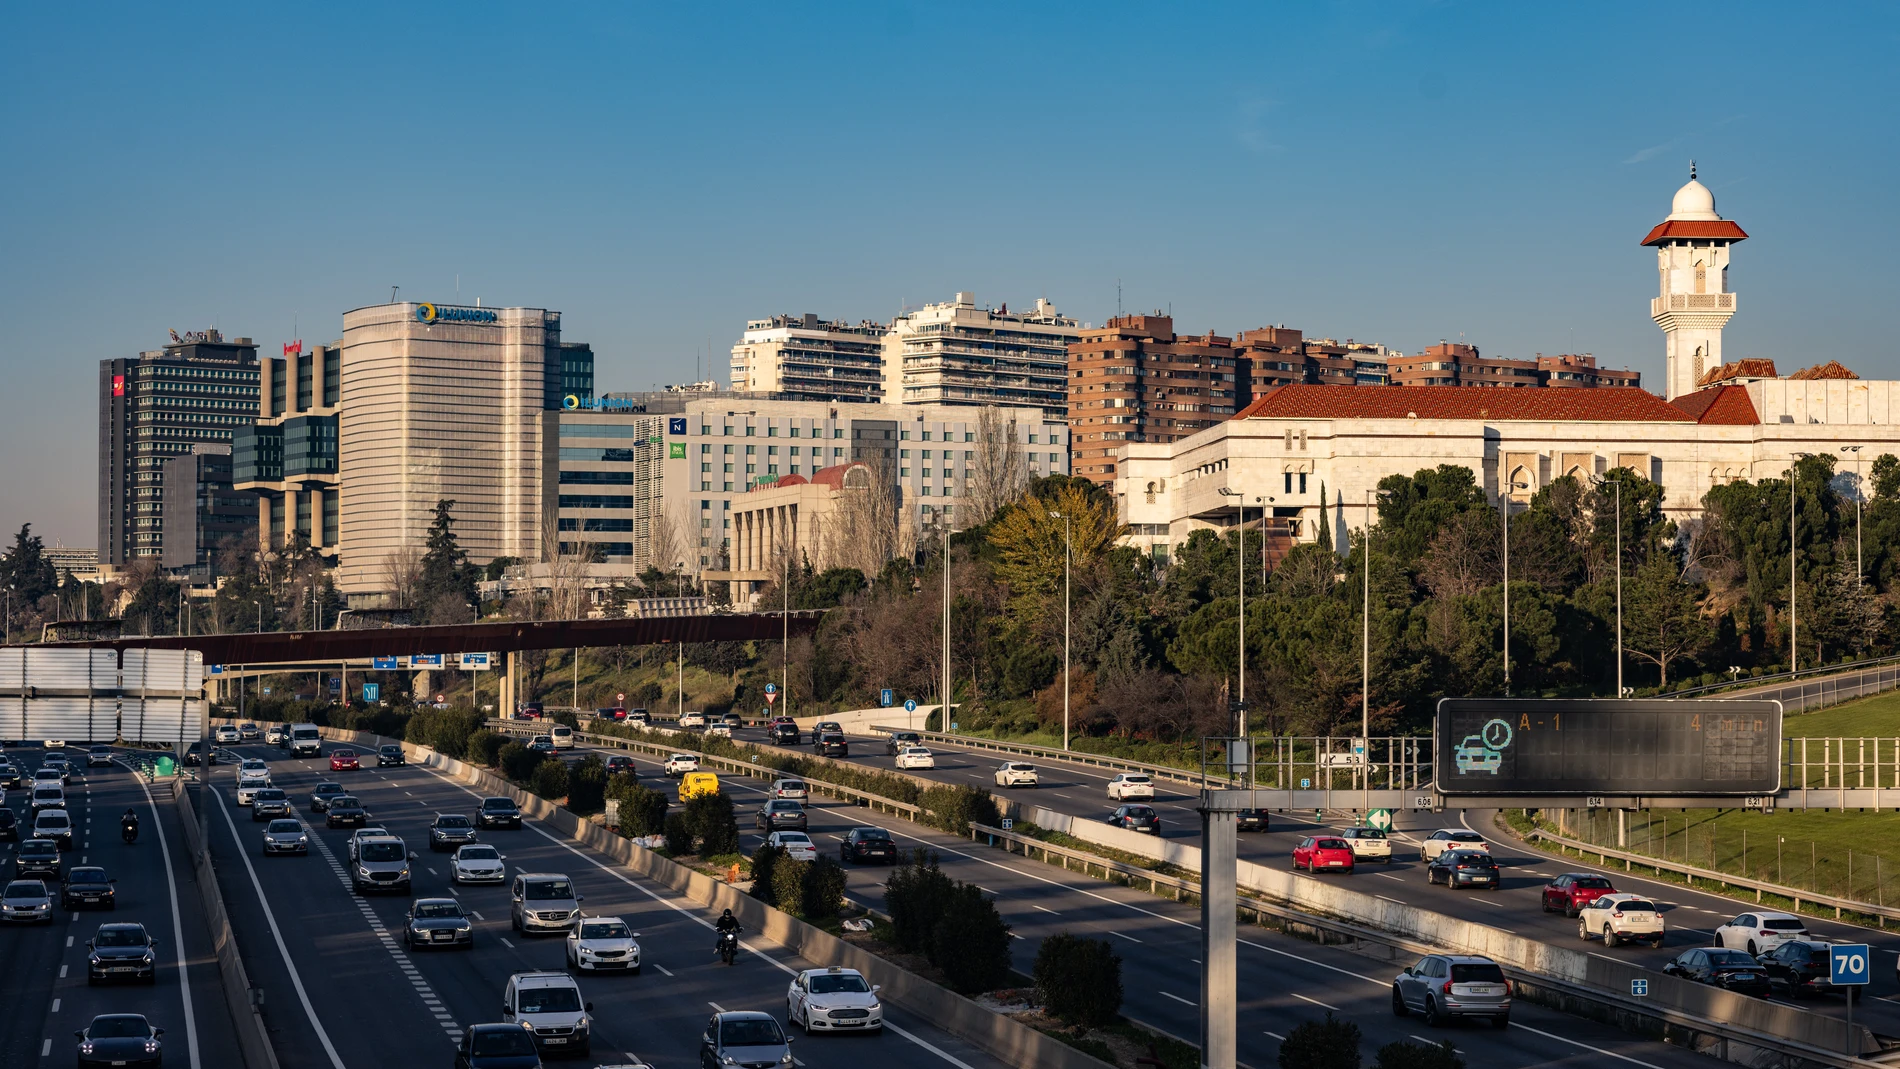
<point>429,313</point>
<point>197,337</point>
<point>385,664</point>
<point>676,425</point>
<point>475,662</point>
<point>293,347</point>
<point>676,451</point>
<point>118,385</point>
<point>575,403</point>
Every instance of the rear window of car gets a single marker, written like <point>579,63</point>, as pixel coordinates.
<point>792,785</point>
<point>1593,883</point>
<point>1730,957</point>
<point>871,833</point>
<point>1636,905</point>
<point>1367,833</point>
<point>1017,766</point>
<point>1330,844</point>
<point>1782,924</point>
<point>1477,973</point>
<point>1466,837</point>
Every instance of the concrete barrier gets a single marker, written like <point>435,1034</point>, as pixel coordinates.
<point>252,1036</point>
<point>859,721</point>
<point>1002,1037</point>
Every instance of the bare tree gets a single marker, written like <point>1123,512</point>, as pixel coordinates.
<point>402,574</point>
<point>566,565</point>
<point>666,545</point>
<point>999,472</point>
<point>869,529</point>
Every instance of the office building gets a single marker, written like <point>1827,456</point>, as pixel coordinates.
<point>1454,364</point>
<point>1136,380</point>
<point>199,388</point>
<point>445,402</point>
<point>810,359</point>
<point>67,561</point>
<point>955,353</point>
<point>288,457</point>
<point>203,512</point>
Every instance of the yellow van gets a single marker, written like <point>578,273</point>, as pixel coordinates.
<point>694,784</point>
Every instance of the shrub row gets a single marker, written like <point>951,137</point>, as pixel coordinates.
<point>950,923</point>
<point>813,890</point>
<point>1334,1044</point>
<point>1078,980</point>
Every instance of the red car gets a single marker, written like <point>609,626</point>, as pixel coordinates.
<point>1574,890</point>
<point>1323,854</point>
<point>343,760</point>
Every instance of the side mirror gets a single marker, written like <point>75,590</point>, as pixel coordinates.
<point>88,944</point>
<point>875,988</point>
<point>501,857</point>
<point>580,898</point>
<point>114,879</point>
<point>158,1032</point>
<point>79,1033</point>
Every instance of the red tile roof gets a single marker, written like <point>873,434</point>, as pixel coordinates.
<point>1695,230</point>
<point>1751,368</point>
<point>1604,403</point>
<point>1728,406</point>
<point>1830,370</point>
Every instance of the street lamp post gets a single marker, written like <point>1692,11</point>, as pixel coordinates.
<point>1240,559</point>
<point>1505,500</point>
<point>1619,588</point>
<point>1860,491</point>
<point>1067,552</point>
<point>946,623</point>
<point>1794,645</point>
<point>1365,660</point>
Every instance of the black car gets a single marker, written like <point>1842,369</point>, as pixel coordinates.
<point>121,952</point>
<point>345,810</point>
<point>1251,820</point>
<point>868,844</point>
<point>438,922</point>
<point>785,733</point>
<point>119,1039</point>
<point>497,1046</point>
<point>781,815</point>
<point>388,755</point>
<point>499,812</point>
<point>324,794</point>
<point>830,744</point>
<point>900,739</point>
<point>36,857</point>
<point>620,763</point>
<point>1464,868</point>
<point>1137,817</point>
<point>450,830</point>
<point>1803,967</point>
<point>1730,969</point>
<point>9,775</point>
<point>87,885</point>
<point>9,825</point>
<point>199,753</point>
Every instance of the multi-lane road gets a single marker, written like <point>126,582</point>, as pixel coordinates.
<point>44,995</point>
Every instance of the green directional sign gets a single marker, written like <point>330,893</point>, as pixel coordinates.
<point>1379,819</point>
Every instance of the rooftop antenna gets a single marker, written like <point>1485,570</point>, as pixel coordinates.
<point>458,287</point>
<point>1118,296</point>
<point>1691,170</point>
<point>393,290</point>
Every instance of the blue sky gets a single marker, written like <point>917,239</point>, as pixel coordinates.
<point>1382,171</point>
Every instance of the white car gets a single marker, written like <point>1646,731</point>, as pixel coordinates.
<point>798,846</point>
<point>1368,844</point>
<point>791,790</point>
<point>561,737</point>
<point>1016,774</point>
<point>692,720</point>
<point>1620,918</point>
<point>680,764</point>
<point>916,757</point>
<point>224,733</point>
<point>372,831</point>
<point>1131,785</point>
<point>602,944</point>
<point>721,730</point>
<point>1451,839</point>
<point>54,824</point>
<point>275,734</point>
<point>834,1000</point>
<point>1758,933</point>
<point>478,863</point>
<point>248,732</point>
<point>252,777</point>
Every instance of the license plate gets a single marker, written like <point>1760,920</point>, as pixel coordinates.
<point>443,937</point>
<point>123,968</point>
<point>553,1041</point>
<point>1335,864</point>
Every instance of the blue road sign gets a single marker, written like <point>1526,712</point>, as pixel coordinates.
<point>426,660</point>
<point>1007,823</point>
<point>372,692</point>
<point>771,688</point>
<point>1305,783</point>
<point>336,684</point>
<point>1639,988</point>
<point>385,664</point>
<point>1849,963</point>
<point>216,669</point>
<point>886,697</point>
<point>910,705</point>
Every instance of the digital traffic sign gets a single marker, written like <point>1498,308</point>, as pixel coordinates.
<point>1513,746</point>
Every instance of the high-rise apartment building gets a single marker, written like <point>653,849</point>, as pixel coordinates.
<point>958,354</point>
<point>1283,356</point>
<point>288,457</point>
<point>203,512</point>
<point>1136,380</point>
<point>811,359</point>
<point>199,388</point>
<point>1453,364</point>
<point>442,402</point>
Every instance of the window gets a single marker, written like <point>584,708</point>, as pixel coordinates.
<point>728,432</point>
<point>751,449</point>
<point>903,473</point>
<point>926,454</point>
<point>793,432</point>
<point>904,435</point>
<point>1302,482</point>
<point>837,432</point>
<point>926,438</point>
<point>1289,478</point>
<point>794,450</point>
<point>1032,438</point>
<point>837,451</point>
<point>705,447</point>
<point>771,430</point>
<point>727,450</point>
<point>969,436</point>
<point>705,428</point>
<point>904,453</point>
<point>771,450</point>
<point>748,430</point>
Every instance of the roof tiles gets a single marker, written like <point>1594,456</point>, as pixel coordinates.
<point>1601,404</point>
<point>1695,230</point>
<point>1728,406</point>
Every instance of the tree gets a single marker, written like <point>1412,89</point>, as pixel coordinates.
<point>25,569</point>
<point>1407,1055</point>
<point>1662,621</point>
<point>971,942</point>
<point>1325,1044</point>
<point>1069,519</point>
<point>444,566</point>
<point>998,472</point>
<point>402,576</point>
<point>1079,980</point>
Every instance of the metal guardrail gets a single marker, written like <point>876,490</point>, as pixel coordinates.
<point>1168,772</point>
<point>729,764</point>
<point>1824,682</point>
<point>1881,913</point>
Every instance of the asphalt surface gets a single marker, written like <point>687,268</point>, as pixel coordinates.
<point>44,996</point>
<point>343,992</point>
<point>1283,981</point>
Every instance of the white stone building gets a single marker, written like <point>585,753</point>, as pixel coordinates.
<point>956,353</point>
<point>811,359</point>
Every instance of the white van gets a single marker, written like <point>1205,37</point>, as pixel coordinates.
<point>562,736</point>
<point>549,1003</point>
<point>305,740</point>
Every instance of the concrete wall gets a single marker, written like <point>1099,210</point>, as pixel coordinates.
<point>859,721</point>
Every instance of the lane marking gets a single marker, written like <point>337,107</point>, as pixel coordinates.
<point>1130,938</point>
<point>664,971</point>
<point>1314,1001</point>
<point>1176,998</point>
<point>55,1006</point>
<point>1275,1035</point>
<point>505,942</point>
<point>1047,910</point>
<point>178,928</point>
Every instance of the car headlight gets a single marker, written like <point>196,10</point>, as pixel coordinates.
<point>86,1047</point>
<point>303,838</point>
<point>527,1025</point>
<point>92,959</point>
<point>466,928</point>
<point>728,1060</point>
<point>786,1059</point>
<point>146,958</point>
<point>405,873</point>
<point>363,872</point>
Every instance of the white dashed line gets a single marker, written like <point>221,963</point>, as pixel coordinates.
<point>1314,1001</point>
<point>1176,998</point>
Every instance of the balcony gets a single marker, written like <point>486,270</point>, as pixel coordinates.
<point>1692,302</point>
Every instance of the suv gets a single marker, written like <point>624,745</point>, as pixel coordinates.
<point>269,802</point>
<point>895,744</point>
<point>9,773</point>
<point>680,764</point>
<point>1129,785</point>
<point>784,733</point>
<point>1572,891</point>
<point>1016,774</point>
<point>778,814</point>
<point>249,732</point>
<point>36,857</point>
<point>1447,986</point>
<point>499,812</point>
<point>388,754</point>
<point>1757,933</point>
<point>830,744</point>
<point>1450,839</point>
<point>99,755</point>
<point>9,824</point>
<point>449,831</point>
<point>1624,918</point>
<point>379,863</point>
<point>56,825</point>
<point>118,951</point>
<point>543,902</point>
<point>792,789</point>
<point>549,1004</point>
<point>48,796</point>
<point>1368,844</point>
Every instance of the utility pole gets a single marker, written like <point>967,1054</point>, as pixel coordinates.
<point>1505,500</point>
<point>1794,645</point>
<point>1240,558</point>
<point>1619,588</point>
<point>946,627</point>
<point>785,640</point>
<point>1066,552</point>
<point>1860,492</point>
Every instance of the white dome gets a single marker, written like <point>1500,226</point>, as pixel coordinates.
<point>1693,201</point>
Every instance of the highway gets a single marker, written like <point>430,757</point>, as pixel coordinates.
<point>342,991</point>
<point>44,996</point>
<point>1283,980</point>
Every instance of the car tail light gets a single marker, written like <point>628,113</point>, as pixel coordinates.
<point>1765,933</point>
<point>1507,989</point>
<point>1447,988</point>
<point>1616,913</point>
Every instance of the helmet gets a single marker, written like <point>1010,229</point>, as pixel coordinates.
<point>727,913</point>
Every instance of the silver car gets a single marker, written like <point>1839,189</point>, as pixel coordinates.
<point>285,836</point>
<point>1448,986</point>
<point>478,863</point>
<point>600,944</point>
<point>381,864</point>
<point>744,1038</point>
<point>543,902</point>
<point>26,902</point>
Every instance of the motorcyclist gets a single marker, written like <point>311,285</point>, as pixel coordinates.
<point>727,924</point>
<point>129,824</point>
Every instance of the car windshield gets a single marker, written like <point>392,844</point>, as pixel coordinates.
<point>504,1041</point>
<point>451,822</point>
<point>1782,924</point>
<point>380,852</point>
<point>605,930</point>
<point>391,749</point>
<point>343,801</point>
<point>87,875</point>
<point>271,794</point>
<point>118,1028</point>
<point>752,1032</point>
<point>549,889</point>
<point>279,826</point>
<point>119,937</point>
<point>54,819</point>
<point>497,804</point>
<point>252,764</point>
<point>438,909</point>
<point>39,848</point>
<point>1477,973</point>
<point>828,984</point>
<point>479,853</point>
<point>343,753</point>
<point>25,889</point>
<point>550,1000</point>
<point>328,788</point>
<point>40,794</point>
<point>1729,957</point>
<point>1593,883</point>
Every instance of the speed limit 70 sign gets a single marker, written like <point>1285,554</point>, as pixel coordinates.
<point>1849,963</point>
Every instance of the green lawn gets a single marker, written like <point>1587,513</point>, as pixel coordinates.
<point>1875,717</point>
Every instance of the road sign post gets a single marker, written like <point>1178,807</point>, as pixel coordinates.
<point>910,705</point>
<point>1639,988</point>
<point>1850,966</point>
<point>1379,819</point>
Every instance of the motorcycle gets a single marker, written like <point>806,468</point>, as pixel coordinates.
<point>129,832</point>
<point>729,945</point>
